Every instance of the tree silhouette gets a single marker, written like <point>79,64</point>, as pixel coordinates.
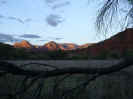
<point>109,12</point>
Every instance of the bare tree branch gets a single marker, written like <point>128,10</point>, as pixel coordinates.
<point>109,14</point>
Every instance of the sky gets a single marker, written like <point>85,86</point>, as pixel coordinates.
<point>41,21</point>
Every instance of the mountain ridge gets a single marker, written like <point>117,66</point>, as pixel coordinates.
<point>50,46</point>
<point>23,44</point>
<point>117,44</point>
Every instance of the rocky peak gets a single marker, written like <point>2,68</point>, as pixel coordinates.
<point>68,46</point>
<point>52,42</point>
<point>85,45</point>
<point>52,46</point>
<point>23,44</point>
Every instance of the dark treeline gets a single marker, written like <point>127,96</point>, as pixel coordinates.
<point>11,53</point>
<point>8,52</point>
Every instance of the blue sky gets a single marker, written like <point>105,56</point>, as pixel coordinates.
<point>40,21</point>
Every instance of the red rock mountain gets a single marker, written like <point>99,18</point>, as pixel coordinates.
<point>68,46</point>
<point>86,45</point>
<point>23,44</point>
<point>119,43</point>
<point>50,46</point>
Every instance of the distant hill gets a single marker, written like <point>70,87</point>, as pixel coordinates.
<point>7,51</point>
<point>86,45</point>
<point>117,44</point>
<point>50,46</point>
<point>23,44</point>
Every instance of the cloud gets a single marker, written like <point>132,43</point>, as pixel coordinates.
<point>58,38</point>
<point>59,5</point>
<point>19,19</point>
<point>55,38</point>
<point>5,38</point>
<point>30,36</point>
<point>28,20</point>
<point>16,19</point>
<point>3,2</point>
<point>2,16</point>
<point>43,40</point>
<point>8,38</point>
<point>50,1</point>
<point>53,20</point>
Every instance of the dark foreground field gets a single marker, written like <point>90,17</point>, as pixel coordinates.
<point>117,85</point>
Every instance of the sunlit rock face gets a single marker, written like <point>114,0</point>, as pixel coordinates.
<point>68,46</point>
<point>23,44</point>
<point>86,45</point>
<point>51,46</point>
<point>119,43</point>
